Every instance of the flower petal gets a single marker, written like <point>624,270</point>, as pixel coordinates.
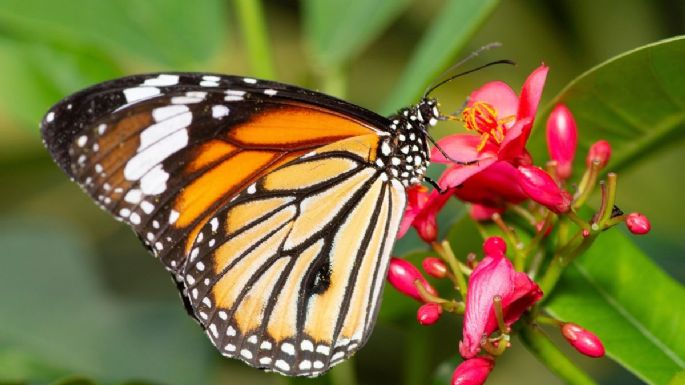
<point>499,95</point>
<point>493,276</point>
<point>462,147</point>
<point>492,187</point>
<point>531,93</point>
<point>540,187</point>
<point>458,174</point>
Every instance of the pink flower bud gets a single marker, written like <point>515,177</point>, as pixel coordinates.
<point>562,138</point>
<point>434,267</point>
<point>428,313</point>
<point>540,187</point>
<point>473,371</point>
<point>483,213</point>
<point>584,341</point>
<point>494,246</point>
<point>638,224</point>
<point>600,151</point>
<point>402,274</point>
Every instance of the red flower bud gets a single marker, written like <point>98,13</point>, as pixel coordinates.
<point>494,246</point>
<point>402,275</point>
<point>600,151</point>
<point>540,187</point>
<point>473,371</point>
<point>638,223</point>
<point>562,138</point>
<point>434,267</point>
<point>428,313</point>
<point>584,341</point>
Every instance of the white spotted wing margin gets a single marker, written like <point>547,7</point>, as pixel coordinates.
<point>294,286</point>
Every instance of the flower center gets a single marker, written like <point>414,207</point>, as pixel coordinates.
<point>481,117</point>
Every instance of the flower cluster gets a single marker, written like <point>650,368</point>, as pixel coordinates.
<point>496,175</point>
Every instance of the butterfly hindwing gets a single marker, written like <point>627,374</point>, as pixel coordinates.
<point>288,276</point>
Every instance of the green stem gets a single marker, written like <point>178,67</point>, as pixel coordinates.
<point>445,251</point>
<point>252,25</point>
<point>564,256</point>
<point>545,351</point>
<point>514,241</point>
<point>610,198</point>
<point>344,373</point>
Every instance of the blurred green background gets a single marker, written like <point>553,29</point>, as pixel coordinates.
<point>80,297</point>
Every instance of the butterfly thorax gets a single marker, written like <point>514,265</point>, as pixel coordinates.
<point>404,155</point>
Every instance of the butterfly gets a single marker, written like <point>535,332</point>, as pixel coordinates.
<point>274,207</point>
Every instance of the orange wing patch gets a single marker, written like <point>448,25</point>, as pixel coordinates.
<point>296,127</point>
<point>211,152</point>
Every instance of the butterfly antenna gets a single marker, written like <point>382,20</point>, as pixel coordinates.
<point>449,79</point>
<point>430,139</point>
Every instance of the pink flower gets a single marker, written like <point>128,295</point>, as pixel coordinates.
<point>638,223</point>
<point>421,212</point>
<point>562,139</point>
<point>541,188</point>
<point>494,276</point>
<point>402,275</point>
<point>473,371</point>
<point>428,314</point>
<point>583,340</point>
<point>502,122</point>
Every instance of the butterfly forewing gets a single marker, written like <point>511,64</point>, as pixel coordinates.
<point>269,203</point>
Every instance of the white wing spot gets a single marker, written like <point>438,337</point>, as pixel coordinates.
<point>282,365</point>
<point>173,217</point>
<point>230,331</point>
<point>306,345</point>
<point>147,207</point>
<point>214,223</point>
<point>318,364</point>
<point>162,113</point>
<point>200,266</point>
<point>162,80</point>
<point>266,345</point>
<point>82,140</point>
<point>101,128</point>
<point>219,111</point>
<point>154,182</point>
<point>250,80</point>
<point>323,349</point>
<point>139,93</point>
<point>124,213</point>
<point>135,218</point>
<point>265,360</point>
<point>252,339</point>
<point>288,348</point>
<point>50,117</point>
<point>252,189</point>
<point>246,353</point>
<point>270,92</point>
<point>223,315</point>
<point>305,365</point>
<point>215,332</point>
<point>230,348</point>
<point>133,196</point>
<point>207,301</point>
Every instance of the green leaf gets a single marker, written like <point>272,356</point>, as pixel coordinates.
<point>34,76</point>
<point>453,27</point>
<point>178,34</point>
<point>636,309</point>
<point>337,30</point>
<point>55,311</point>
<point>636,101</point>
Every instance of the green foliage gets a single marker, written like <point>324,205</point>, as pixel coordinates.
<point>636,309</point>
<point>81,328</point>
<point>636,101</point>
<point>444,39</point>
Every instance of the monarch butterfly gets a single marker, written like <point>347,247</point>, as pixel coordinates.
<point>274,207</point>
